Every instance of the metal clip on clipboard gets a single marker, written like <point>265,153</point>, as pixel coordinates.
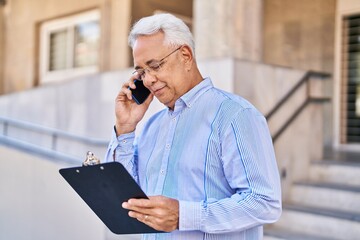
<point>91,159</point>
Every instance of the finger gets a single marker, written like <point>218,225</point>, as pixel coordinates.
<point>127,86</point>
<point>141,203</point>
<point>146,219</point>
<point>134,77</point>
<point>126,91</point>
<point>137,209</point>
<point>126,205</point>
<point>137,215</point>
<point>132,84</point>
<point>154,222</point>
<point>137,212</point>
<point>152,202</point>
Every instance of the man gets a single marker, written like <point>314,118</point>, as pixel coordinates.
<point>207,160</point>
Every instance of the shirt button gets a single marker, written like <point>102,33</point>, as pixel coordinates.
<point>167,146</point>
<point>162,172</point>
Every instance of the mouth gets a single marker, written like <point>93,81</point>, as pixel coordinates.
<point>158,91</point>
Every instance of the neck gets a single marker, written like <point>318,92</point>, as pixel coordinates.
<point>195,78</point>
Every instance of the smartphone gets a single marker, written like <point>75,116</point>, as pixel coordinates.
<point>141,93</point>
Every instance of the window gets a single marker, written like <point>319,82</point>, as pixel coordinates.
<point>350,98</point>
<point>69,46</point>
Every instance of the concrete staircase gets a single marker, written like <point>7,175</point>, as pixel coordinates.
<point>326,206</point>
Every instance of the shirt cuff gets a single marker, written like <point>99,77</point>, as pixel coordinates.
<point>125,143</point>
<point>122,143</point>
<point>189,216</point>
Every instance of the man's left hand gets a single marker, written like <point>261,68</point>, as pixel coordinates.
<point>158,212</point>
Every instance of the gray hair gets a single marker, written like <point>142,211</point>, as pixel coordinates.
<point>175,30</point>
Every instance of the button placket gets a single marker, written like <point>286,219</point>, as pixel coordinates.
<point>165,158</point>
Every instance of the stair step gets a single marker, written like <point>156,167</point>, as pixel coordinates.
<point>325,212</point>
<point>320,222</point>
<point>266,237</point>
<point>342,155</point>
<point>283,234</point>
<point>326,195</point>
<point>339,172</point>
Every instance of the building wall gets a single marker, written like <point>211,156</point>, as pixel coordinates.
<point>22,21</point>
<point>292,34</point>
<point>299,34</point>
<point>228,28</point>
<point>1,48</point>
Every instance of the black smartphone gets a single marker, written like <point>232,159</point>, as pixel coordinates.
<point>141,93</point>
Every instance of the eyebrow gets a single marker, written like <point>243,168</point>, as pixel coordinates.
<point>137,67</point>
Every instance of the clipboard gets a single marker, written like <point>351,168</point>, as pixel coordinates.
<point>104,187</point>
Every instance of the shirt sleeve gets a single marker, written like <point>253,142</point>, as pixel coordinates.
<point>250,169</point>
<point>122,149</point>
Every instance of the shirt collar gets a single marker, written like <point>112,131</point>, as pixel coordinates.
<point>189,98</point>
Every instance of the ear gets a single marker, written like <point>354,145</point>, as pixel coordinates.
<point>187,56</point>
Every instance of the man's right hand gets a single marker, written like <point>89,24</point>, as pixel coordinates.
<point>128,113</point>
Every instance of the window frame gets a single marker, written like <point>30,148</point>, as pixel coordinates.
<point>69,23</point>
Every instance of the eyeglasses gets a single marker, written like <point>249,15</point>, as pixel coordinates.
<point>153,67</point>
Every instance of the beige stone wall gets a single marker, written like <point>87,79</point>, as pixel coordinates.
<point>348,6</point>
<point>298,146</point>
<point>228,28</point>
<point>1,49</point>
<point>299,34</point>
<point>22,22</point>
<point>115,27</point>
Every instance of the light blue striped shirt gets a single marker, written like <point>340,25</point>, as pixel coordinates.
<point>214,154</point>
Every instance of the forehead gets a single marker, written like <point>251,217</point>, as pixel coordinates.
<point>148,48</point>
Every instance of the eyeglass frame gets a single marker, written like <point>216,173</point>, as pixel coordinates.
<point>153,69</point>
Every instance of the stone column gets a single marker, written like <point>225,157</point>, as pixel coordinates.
<point>120,27</point>
<point>2,39</point>
<point>115,25</point>
<point>228,28</point>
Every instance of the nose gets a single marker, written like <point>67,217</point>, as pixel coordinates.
<point>150,78</point>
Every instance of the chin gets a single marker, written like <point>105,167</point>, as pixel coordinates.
<point>168,104</point>
<point>166,101</point>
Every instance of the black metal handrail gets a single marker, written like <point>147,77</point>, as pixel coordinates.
<point>292,91</point>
